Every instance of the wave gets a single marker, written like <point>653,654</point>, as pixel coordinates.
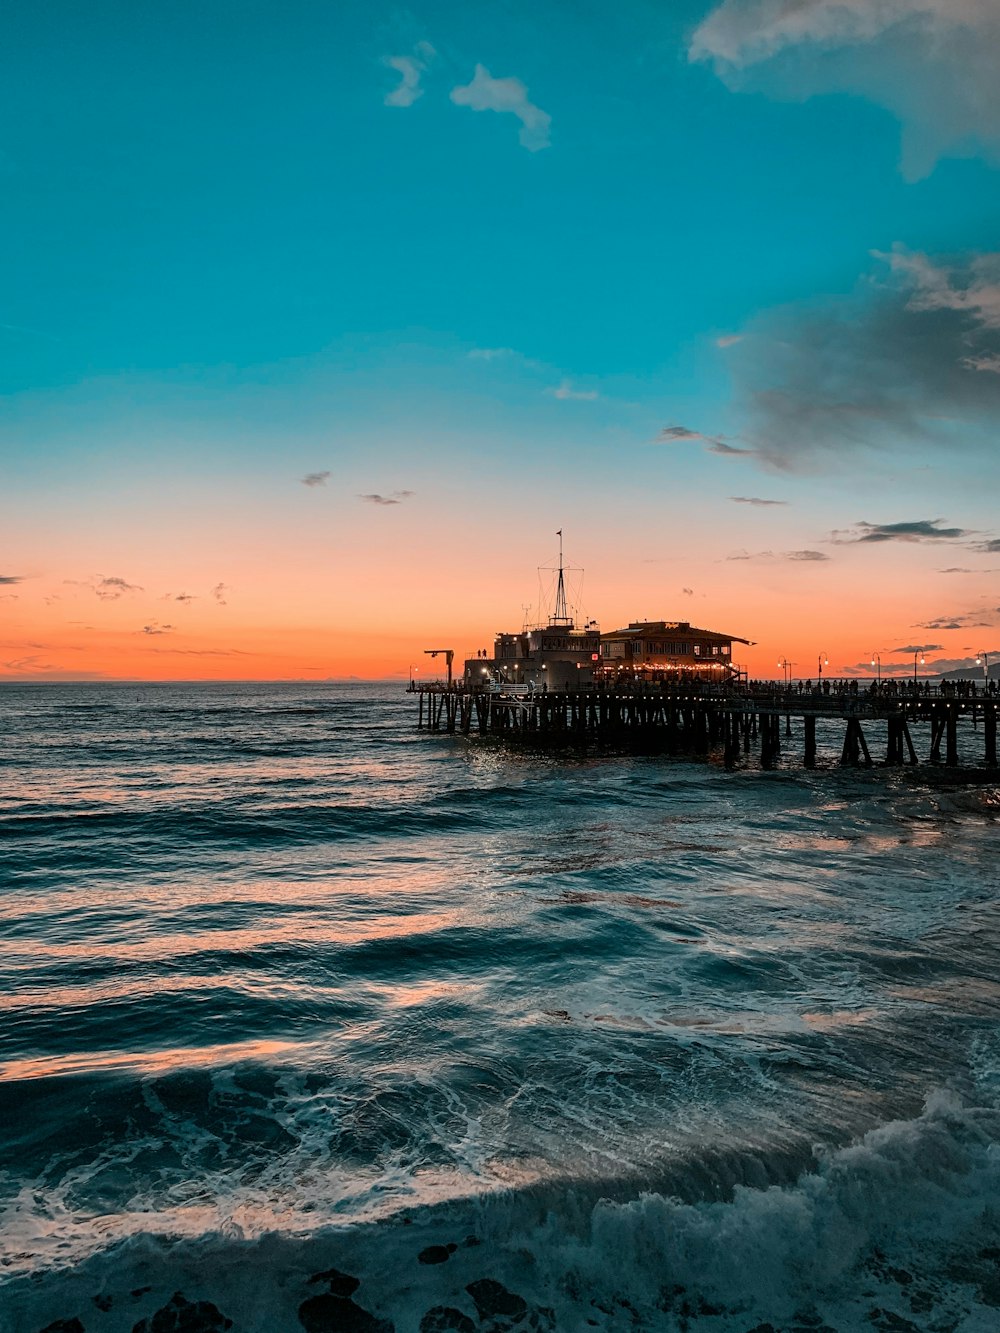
<point>899,1231</point>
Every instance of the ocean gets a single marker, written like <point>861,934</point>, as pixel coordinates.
<point>309,1020</point>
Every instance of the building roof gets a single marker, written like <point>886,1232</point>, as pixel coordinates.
<point>659,627</point>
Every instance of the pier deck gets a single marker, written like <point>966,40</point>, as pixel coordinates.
<point>737,720</point>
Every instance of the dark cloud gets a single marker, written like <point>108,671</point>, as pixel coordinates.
<point>315,478</point>
<point>154,628</point>
<point>989,547</point>
<point>688,592</point>
<point>397,497</point>
<point>755,500</point>
<point>915,648</point>
<point>911,359</point>
<point>221,593</point>
<point>956,569</point>
<point>981,619</point>
<point>110,589</point>
<point>11,578</point>
<point>917,530</point>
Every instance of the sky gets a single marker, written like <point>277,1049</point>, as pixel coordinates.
<point>318,320</point>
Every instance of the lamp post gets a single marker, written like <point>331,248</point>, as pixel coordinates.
<point>983,660</point>
<point>877,661</point>
<point>917,654</point>
<point>821,662</point>
<point>786,668</point>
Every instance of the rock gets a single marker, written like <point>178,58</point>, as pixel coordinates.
<point>64,1326</point>
<point>436,1254</point>
<point>183,1316</point>
<point>103,1302</point>
<point>444,1319</point>
<point>136,1292</point>
<point>493,1300</point>
<point>340,1284</point>
<point>334,1314</point>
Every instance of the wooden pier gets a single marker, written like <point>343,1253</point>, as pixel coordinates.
<point>734,721</point>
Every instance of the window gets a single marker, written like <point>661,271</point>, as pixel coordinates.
<point>726,650</point>
<point>697,650</point>
<point>715,650</point>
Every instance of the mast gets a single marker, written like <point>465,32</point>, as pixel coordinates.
<point>561,616</point>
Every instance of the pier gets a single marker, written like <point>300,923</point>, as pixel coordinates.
<point>879,727</point>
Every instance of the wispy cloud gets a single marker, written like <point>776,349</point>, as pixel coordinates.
<point>565,392</point>
<point>728,340</point>
<point>755,500</point>
<point>804,556</point>
<point>155,628</point>
<point>485,93</point>
<point>889,51</point>
<point>110,589</point>
<point>990,547</point>
<point>714,444</point>
<point>11,578</point>
<point>688,592</point>
<point>915,648</point>
<point>980,619</point>
<point>397,497</point>
<point>410,69</point>
<point>917,530</point>
<point>221,593</point>
<point>315,478</point>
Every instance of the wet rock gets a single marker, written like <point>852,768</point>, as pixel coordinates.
<point>493,1300</point>
<point>334,1314</point>
<point>445,1319</point>
<point>64,1326</point>
<point>340,1284</point>
<point>136,1292</point>
<point>183,1316</point>
<point>103,1302</point>
<point>436,1254</point>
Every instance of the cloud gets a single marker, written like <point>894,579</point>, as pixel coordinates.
<point>315,479</point>
<point>714,444</point>
<point>981,619</point>
<point>185,597</point>
<point>110,589</point>
<point>917,530</point>
<point>990,547</point>
<point>155,628</point>
<point>409,68</point>
<point>396,498</point>
<point>565,392</point>
<point>891,366</point>
<point>889,51</point>
<point>7,579</point>
<point>485,93</point>
<point>797,557</point>
<point>755,500</point>
<point>221,593</point>
<point>688,592</point>
<point>915,648</point>
<point>729,340</point>
<point>969,663</point>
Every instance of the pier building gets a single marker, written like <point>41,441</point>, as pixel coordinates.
<point>668,650</point>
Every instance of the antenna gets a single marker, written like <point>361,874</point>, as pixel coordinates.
<point>525,607</point>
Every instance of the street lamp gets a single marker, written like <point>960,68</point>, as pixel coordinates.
<point>917,654</point>
<point>877,660</point>
<point>412,669</point>
<point>983,660</point>
<point>786,668</point>
<point>821,662</point>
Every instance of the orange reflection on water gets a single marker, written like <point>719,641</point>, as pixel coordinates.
<point>146,1062</point>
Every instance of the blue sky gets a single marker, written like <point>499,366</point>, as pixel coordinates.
<point>245,243</point>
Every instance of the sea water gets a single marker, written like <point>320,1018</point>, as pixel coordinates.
<point>312,1020</point>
